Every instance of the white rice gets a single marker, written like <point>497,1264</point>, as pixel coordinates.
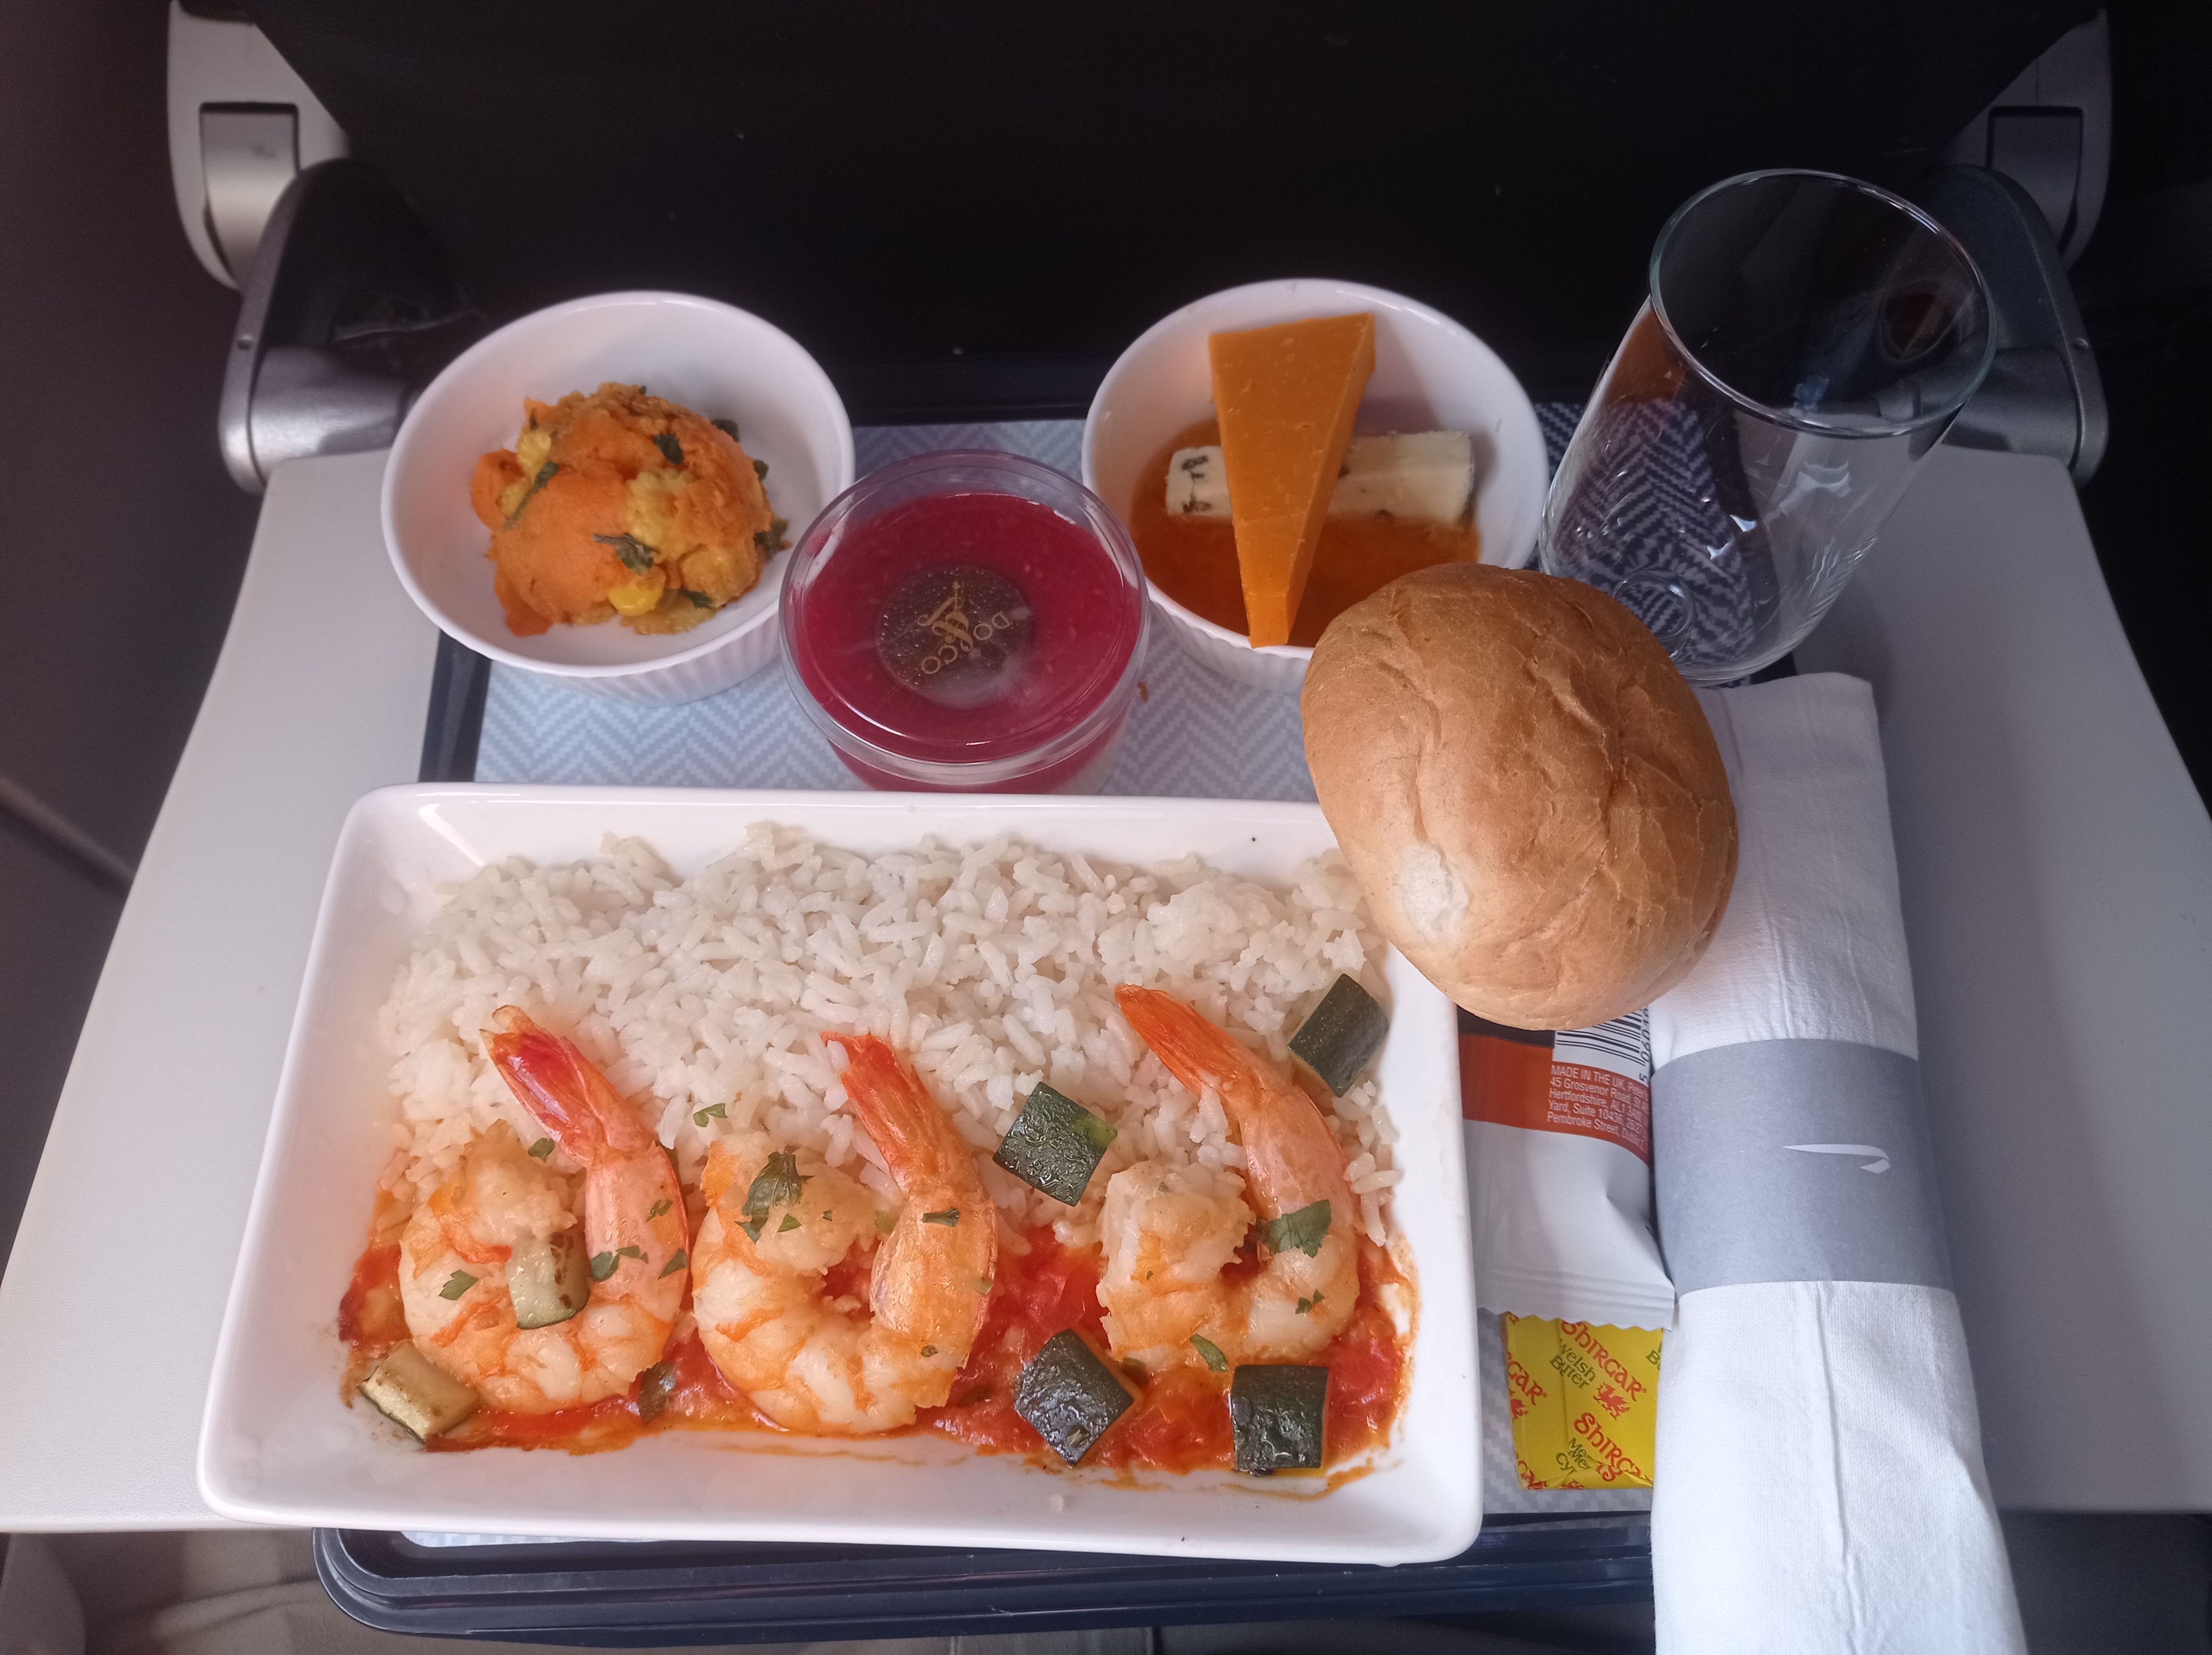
<point>991,967</point>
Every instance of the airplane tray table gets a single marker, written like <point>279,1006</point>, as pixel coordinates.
<point>1196,733</point>
<point>615,1596</point>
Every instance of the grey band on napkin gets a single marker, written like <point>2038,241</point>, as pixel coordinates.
<point>1795,1160</point>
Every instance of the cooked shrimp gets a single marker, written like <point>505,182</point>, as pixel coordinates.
<point>1169,1234</point>
<point>453,1258</point>
<point>775,1224</point>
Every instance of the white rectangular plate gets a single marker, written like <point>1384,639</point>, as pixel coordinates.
<point>279,1445</point>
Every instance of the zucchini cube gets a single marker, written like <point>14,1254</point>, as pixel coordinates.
<point>1069,1397</point>
<point>1276,1412</point>
<point>409,1388</point>
<point>1054,1145</point>
<point>1341,1035</point>
<point>549,1280</point>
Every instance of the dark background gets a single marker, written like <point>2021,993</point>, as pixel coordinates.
<point>2145,283</point>
<point>1036,184</point>
<point>121,537</point>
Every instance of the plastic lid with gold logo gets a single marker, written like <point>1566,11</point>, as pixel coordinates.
<point>967,620</point>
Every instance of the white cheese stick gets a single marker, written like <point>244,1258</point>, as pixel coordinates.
<point>1427,477</point>
<point>1197,483</point>
<point>1424,476</point>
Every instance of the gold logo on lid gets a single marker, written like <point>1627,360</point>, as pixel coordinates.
<point>957,634</point>
<point>949,623</point>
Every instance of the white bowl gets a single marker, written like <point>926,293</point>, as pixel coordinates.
<point>279,1445</point>
<point>1431,375</point>
<point>713,358</point>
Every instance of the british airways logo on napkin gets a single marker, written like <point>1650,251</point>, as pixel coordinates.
<point>1879,1163</point>
<point>1746,1144</point>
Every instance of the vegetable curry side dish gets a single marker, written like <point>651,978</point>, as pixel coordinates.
<point>1203,1331</point>
<point>618,505</point>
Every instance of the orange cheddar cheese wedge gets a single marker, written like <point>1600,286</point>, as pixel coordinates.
<point>1285,396</point>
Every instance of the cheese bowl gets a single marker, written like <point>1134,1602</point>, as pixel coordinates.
<point>1431,373</point>
<point>279,1443</point>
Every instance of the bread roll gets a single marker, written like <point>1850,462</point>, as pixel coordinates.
<point>1525,788</point>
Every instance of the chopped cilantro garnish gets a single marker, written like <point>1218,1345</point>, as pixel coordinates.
<point>546,474</point>
<point>457,1284</point>
<point>630,1252</point>
<point>675,1263</point>
<point>778,1183</point>
<point>603,1266</point>
<point>886,1222</point>
<point>949,1218</point>
<point>657,1208</point>
<point>1300,1231</point>
<point>541,1149</point>
<point>712,1112</point>
<point>636,556</point>
<point>1212,1353</point>
<point>929,1350</point>
<point>790,1223</point>
<point>698,599</point>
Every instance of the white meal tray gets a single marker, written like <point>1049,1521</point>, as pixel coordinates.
<point>279,1445</point>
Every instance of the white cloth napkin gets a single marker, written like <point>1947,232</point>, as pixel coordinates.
<point>1819,1482</point>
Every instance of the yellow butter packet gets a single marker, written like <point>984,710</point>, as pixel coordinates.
<point>1584,1401</point>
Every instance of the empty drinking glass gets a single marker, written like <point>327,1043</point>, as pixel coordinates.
<point>1807,340</point>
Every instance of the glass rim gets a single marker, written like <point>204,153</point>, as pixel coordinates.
<point>1789,418</point>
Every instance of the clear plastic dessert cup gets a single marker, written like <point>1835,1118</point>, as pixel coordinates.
<point>967,621</point>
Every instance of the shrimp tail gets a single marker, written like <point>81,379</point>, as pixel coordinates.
<point>1197,1051</point>
<point>903,1119</point>
<point>562,1088</point>
<point>1304,1291</point>
<point>805,1362</point>
<point>1290,1151</point>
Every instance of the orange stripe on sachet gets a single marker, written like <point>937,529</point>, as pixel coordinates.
<point>1512,1083</point>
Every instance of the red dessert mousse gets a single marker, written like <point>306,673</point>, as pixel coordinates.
<point>967,621</point>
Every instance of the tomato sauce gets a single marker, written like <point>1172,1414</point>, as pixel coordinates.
<point>1034,1296</point>
<point>1194,559</point>
<point>685,1392</point>
<point>370,1318</point>
<point>1179,1422</point>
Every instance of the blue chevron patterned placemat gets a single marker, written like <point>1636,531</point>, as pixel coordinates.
<point>1194,735</point>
